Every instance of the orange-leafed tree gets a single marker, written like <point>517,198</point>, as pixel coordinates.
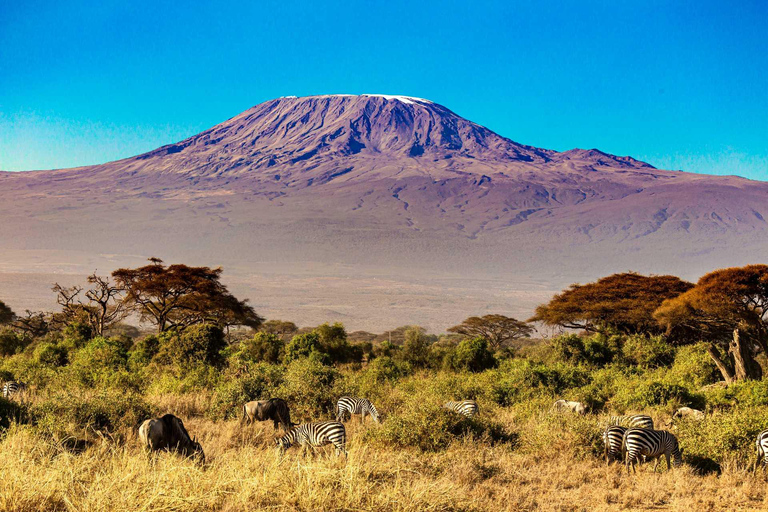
<point>177,296</point>
<point>622,303</point>
<point>497,330</point>
<point>727,309</point>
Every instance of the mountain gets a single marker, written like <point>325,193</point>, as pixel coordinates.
<point>376,211</point>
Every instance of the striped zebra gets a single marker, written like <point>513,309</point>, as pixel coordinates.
<point>12,387</point>
<point>348,405</point>
<point>762,449</point>
<point>631,421</point>
<point>313,435</point>
<point>466,407</point>
<point>652,444</point>
<point>613,439</point>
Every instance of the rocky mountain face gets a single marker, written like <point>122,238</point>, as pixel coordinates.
<point>339,192</point>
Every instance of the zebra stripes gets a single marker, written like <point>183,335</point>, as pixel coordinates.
<point>349,405</point>
<point>613,439</point>
<point>631,421</point>
<point>315,434</point>
<point>762,450</point>
<point>652,444</point>
<point>467,407</point>
<point>12,387</point>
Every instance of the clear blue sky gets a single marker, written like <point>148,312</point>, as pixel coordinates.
<point>682,85</point>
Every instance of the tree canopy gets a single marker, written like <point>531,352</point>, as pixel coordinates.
<point>177,296</point>
<point>621,302</point>
<point>498,330</point>
<point>728,308</point>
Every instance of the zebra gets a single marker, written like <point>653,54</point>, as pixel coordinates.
<point>361,406</point>
<point>315,434</point>
<point>613,439</point>
<point>466,407</point>
<point>762,449</point>
<point>631,421</point>
<point>12,387</point>
<point>652,444</point>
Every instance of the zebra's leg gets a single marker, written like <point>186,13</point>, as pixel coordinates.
<point>362,417</point>
<point>669,462</point>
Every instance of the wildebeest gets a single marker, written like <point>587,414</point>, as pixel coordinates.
<point>168,433</point>
<point>275,409</point>
<point>565,405</point>
<point>687,413</point>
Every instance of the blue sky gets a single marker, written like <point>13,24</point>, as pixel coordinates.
<point>682,85</point>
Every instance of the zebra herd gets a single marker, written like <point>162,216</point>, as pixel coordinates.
<point>634,438</point>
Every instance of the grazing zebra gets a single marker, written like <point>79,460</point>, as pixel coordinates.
<point>315,434</point>
<point>466,407</point>
<point>361,406</point>
<point>762,449</point>
<point>12,387</point>
<point>652,444</point>
<point>613,439</point>
<point>632,421</point>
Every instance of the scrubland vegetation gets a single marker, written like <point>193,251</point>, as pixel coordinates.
<point>69,442</point>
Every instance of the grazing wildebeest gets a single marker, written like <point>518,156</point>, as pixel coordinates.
<point>565,405</point>
<point>275,409</point>
<point>168,433</point>
<point>688,414</point>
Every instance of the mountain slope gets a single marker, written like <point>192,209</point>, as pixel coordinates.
<point>354,188</point>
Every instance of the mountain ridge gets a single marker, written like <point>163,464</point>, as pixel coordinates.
<point>350,187</point>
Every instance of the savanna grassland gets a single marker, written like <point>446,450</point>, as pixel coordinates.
<point>650,344</point>
<point>71,442</point>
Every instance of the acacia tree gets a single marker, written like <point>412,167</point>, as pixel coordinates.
<point>177,296</point>
<point>281,328</point>
<point>498,330</point>
<point>622,302</point>
<point>101,309</point>
<point>727,309</point>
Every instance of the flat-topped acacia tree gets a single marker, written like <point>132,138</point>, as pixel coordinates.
<point>177,296</point>
<point>622,303</point>
<point>727,309</point>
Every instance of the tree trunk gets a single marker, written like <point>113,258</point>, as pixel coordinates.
<point>745,365</point>
<point>725,368</point>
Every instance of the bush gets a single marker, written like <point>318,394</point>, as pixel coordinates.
<point>648,351</point>
<point>596,350</point>
<point>693,366</point>
<point>305,345</point>
<point>332,340</point>
<point>423,423</point>
<point>144,351</point>
<point>10,342</point>
<point>100,361</point>
<point>106,411</point>
<point>260,382</point>
<point>521,379</point>
<point>723,437</point>
<point>51,354</point>
<point>472,355</point>
<point>263,347</point>
<point>634,396</point>
<point>76,335</point>
<point>196,345</point>
<point>415,350</point>
<point>308,388</point>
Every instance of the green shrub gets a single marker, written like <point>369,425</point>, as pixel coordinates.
<point>196,345</point>
<point>51,354</point>
<point>99,360</point>
<point>332,340</point>
<point>472,355</point>
<point>110,411</point>
<point>263,347</point>
<point>421,422</point>
<point>304,346</point>
<point>522,379</point>
<point>596,350</point>
<point>640,395</point>
<point>723,437</point>
<point>10,342</point>
<point>76,335</point>
<point>260,382</point>
<point>308,388</point>
<point>569,348</point>
<point>415,350</point>
<point>144,351</point>
<point>648,351</point>
<point>693,366</point>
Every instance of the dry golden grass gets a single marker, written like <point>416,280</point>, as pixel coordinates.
<point>244,472</point>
